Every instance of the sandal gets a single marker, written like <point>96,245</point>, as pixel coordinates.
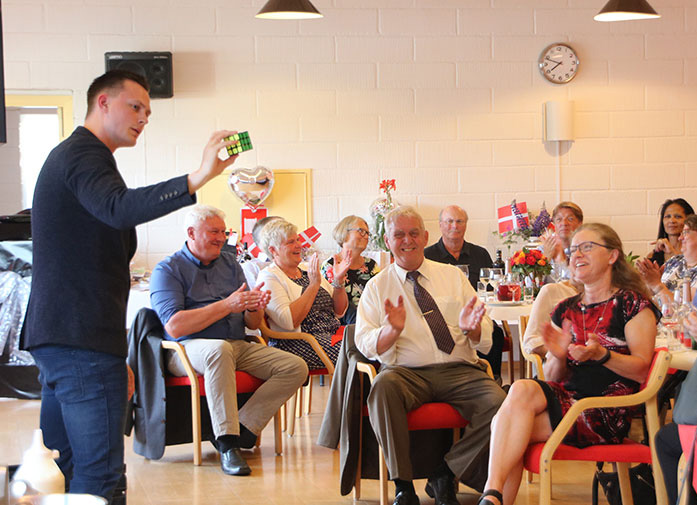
<point>490,492</point>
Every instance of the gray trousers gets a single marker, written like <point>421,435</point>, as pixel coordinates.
<point>217,361</point>
<point>398,390</point>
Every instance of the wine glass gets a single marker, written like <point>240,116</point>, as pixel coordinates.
<point>465,269</point>
<point>495,278</point>
<point>484,276</point>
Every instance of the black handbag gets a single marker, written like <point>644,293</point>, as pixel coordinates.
<point>640,477</point>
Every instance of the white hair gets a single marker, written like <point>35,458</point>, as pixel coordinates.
<point>402,211</point>
<point>199,213</point>
<point>274,233</point>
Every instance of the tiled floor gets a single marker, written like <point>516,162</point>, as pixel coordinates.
<point>305,474</point>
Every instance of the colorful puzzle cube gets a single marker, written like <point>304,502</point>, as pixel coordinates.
<point>245,143</point>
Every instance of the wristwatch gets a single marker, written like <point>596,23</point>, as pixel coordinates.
<point>337,283</point>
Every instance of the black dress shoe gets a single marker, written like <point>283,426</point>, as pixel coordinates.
<point>443,490</point>
<point>233,463</point>
<point>406,498</point>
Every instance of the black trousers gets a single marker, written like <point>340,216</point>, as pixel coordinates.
<point>669,451</point>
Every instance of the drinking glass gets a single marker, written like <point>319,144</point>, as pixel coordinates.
<point>465,269</point>
<point>528,294</point>
<point>495,278</point>
<point>481,291</point>
<point>484,276</point>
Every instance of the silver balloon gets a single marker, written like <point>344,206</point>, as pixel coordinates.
<point>251,185</point>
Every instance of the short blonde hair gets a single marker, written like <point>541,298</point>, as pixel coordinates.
<point>199,213</point>
<point>402,211</point>
<point>274,233</point>
<point>341,230</point>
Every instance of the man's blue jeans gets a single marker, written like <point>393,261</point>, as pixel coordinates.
<point>83,414</point>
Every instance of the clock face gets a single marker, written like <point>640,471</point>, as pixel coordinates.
<point>558,63</point>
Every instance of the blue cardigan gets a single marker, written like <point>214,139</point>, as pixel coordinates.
<point>83,230</point>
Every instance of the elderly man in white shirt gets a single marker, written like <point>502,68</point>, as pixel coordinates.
<point>421,320</point>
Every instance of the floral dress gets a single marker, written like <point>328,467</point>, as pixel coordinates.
<point>607,320</point>
<point>320,322</point>
<point>676,268</point>
<point>354,284</point>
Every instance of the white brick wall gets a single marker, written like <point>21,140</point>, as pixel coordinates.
<point>442,95</point>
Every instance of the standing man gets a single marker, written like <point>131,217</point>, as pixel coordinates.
<point>421,320</point>
<point>453,249</point>
<point>83,229</point>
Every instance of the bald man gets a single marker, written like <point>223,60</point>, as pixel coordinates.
<point>453,249</point>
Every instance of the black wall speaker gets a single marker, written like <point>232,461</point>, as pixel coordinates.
<point>155,67</point>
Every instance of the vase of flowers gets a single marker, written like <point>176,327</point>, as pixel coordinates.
<point>378,210</point>
<point>533,265</point>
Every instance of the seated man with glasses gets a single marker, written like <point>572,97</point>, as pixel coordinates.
<point>452,248</point>
<point>423,322</point>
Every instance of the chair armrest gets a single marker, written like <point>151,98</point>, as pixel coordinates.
<point>181,352</point>
<point>534,358</point>
<point>368,369</point>
<point>255,338</point>
<point>489,370</point>
<point>268,333</point>
<point>656,377</point>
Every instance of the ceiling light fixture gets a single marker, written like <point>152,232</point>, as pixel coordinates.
<point>288,9</point>
<point>625,10</point>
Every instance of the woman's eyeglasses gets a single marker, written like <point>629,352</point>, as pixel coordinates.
<point>585,247</point>
<point>362,232</point>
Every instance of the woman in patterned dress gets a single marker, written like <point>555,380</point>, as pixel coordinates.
<point>600,343</point>
<point>352,236</point>
<point>680,266</point>
<point>301,300</point>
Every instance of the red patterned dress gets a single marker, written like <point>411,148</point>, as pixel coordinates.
<point>607,320</point>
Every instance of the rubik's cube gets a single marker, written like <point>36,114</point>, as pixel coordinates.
<point>245,143</point>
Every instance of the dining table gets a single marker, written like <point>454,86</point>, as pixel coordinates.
<point>510,312</point>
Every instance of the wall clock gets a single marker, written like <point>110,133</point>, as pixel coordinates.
<point>558,63</point>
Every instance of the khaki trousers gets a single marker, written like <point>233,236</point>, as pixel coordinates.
<point>217,361</point>
<point>398,390</point>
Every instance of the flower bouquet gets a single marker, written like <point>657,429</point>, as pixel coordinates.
<point>533,265</point>
<point>515,226</point>
<point>378,210</point>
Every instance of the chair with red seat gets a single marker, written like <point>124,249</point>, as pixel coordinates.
<point>539,456</point>
<point>429,416</point>
<point>245,383</point>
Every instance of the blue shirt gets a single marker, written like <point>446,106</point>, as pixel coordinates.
<point>182,282</point>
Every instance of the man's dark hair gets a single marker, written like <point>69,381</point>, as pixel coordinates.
<point>111,80</point>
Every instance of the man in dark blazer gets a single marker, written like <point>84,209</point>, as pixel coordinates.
<point>83,229</point>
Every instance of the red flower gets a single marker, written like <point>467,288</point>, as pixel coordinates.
<point>388,184</point>
<point>530,260</point>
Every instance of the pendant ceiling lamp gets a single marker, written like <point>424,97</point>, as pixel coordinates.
<point>288,9</point>
<point>625,10</point>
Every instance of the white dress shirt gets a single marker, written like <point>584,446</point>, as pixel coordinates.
<point>416,346</point>
<point>547,299</point>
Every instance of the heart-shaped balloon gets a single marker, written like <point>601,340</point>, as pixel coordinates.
<point>251,185</point>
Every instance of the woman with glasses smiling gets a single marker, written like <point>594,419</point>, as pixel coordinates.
<point>352,235</point>
<point>680,266</point>
<point>600,343</point>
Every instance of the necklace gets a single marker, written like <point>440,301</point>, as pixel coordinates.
<point>602,316</point>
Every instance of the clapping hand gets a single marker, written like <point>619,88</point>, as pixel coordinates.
<point>341,266</point>
<point>690,324</point>
<point>591,351</point>
<point>552,246</point>
<point>261,301</point>
<point>313,272</point>
<point>663,244</point>
<point>557,342</point>
<point>396,314</point>
<point>241,299</point>
<point>471,315</point>
<point>650,272</point>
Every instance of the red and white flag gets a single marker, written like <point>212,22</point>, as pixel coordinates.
<point>513,216</point>
<point>309,236</point>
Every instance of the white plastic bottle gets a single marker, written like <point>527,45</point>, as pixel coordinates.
<point>39,470</point>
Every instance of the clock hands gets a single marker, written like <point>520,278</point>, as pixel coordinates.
<point>555,66</point>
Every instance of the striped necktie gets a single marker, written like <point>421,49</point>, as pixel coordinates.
<point>432,315</point>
